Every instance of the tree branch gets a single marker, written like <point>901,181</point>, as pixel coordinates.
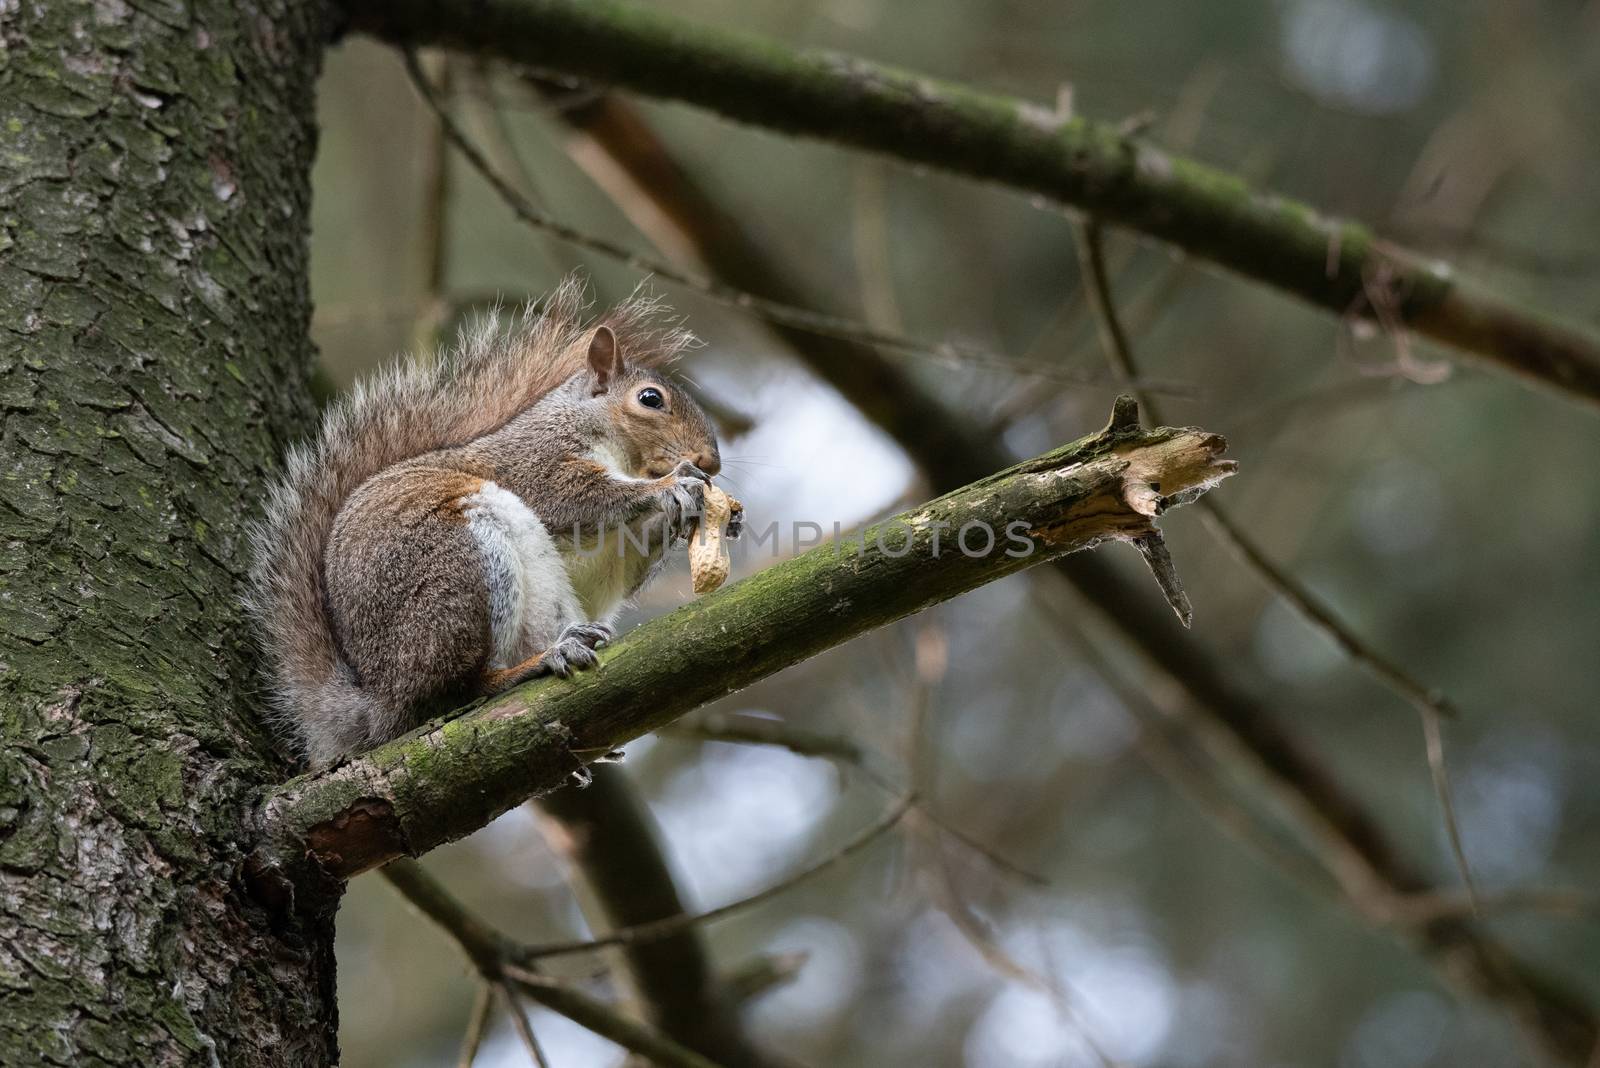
<point>477,1026</point>
<point>668,927</point>
<point>1431,705</point>
<point>451,777</point>
<point>1340,266</point>
<point>951,450</point>
<point>606,833</point>
<point>741,729</point>
<point>777,313</point>
<point>490,953</point>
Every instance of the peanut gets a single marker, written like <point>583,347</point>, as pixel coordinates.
<point>708,556</point>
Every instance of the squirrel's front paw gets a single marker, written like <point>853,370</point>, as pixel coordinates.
<point>735,525</point>
<point>575,649</point>
<point>683,499</point>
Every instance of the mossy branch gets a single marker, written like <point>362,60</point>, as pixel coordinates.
<point>1338,265</point>
<point>453,776</point>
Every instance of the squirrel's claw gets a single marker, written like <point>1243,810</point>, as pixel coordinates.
<point>593,635</point>
<point>686,469</point>
<point>683,501</point>
<point>575,649</point>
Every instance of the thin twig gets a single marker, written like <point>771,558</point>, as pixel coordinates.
<point>737,729</point>
<point>636,196</point>
<point>435,227</point>
<point>492,953</point>
<point>477,1025</point>
<point>754,730</point>
<point>501,143</point>
<point>599,1017</point>
<point>519,1019</point>
<point>985,852</point>
<point>1273,417</point>
<point>1166,758</point>
<point>947,353</point>
<point>977,934</point>
<point>1431,705</point>
<point>1425,908</point>
<point>759,975</point>
<point>605,834</point>
<point>670,925</point>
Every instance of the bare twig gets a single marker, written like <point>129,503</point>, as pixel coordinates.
<point>977,934</point>
<point>947,353</point>
<point>605,833</point>
<point>664,928</point>
<point>430,316</point>
<point>603,1020</point>
<point>1198,785</point>
<point>519,1019</point>
<point>477,1025</point>
<point>758,975</point>
<point>1431,705</point>
<point>739,729</point>
<point>493,953</point>
<point>1091,166</point>
<point>1153,547</point>
<point>755,730</point>
<point>1554,901</point>
<point>502,147</point>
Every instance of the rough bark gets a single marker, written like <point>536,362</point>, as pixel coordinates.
<point>154,167</point>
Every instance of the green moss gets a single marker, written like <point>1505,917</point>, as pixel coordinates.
<point>128,685</point>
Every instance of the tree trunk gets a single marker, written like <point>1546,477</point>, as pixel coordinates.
<point>154,187</point>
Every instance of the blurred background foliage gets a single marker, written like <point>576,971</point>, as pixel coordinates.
<point>1451,515</point>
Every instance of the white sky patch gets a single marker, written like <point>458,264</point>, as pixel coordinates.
<point>810,458</point>
<point>1117,987</point>
<point>1404,1030</point>
<point>1509,799</point>
<point>740,816</point>
<point>1355,55</point>
<point>825,987</point>
<point>518,850</point>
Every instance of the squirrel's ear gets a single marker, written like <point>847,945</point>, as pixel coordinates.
<point>605,357</point>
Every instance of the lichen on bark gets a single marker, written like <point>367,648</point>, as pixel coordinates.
<point>154,185</point>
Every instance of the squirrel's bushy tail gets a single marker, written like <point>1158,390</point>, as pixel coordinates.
<point>499,367</point>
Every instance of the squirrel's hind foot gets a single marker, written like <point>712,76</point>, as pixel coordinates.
<point>574,650</point>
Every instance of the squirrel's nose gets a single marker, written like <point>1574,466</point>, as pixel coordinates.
<point>709,462</point>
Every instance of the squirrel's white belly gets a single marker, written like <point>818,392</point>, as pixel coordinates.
<point>531,597</point>
<point>608,570</point>
<point>600,574</point>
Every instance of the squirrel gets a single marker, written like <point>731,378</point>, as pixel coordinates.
<point>459,528</point>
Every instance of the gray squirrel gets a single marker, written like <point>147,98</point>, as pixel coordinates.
<point>456,529</point>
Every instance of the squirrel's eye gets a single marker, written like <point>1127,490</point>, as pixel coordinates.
<point>652,398</point>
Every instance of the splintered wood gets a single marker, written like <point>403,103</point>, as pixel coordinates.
<point>708,553</point>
